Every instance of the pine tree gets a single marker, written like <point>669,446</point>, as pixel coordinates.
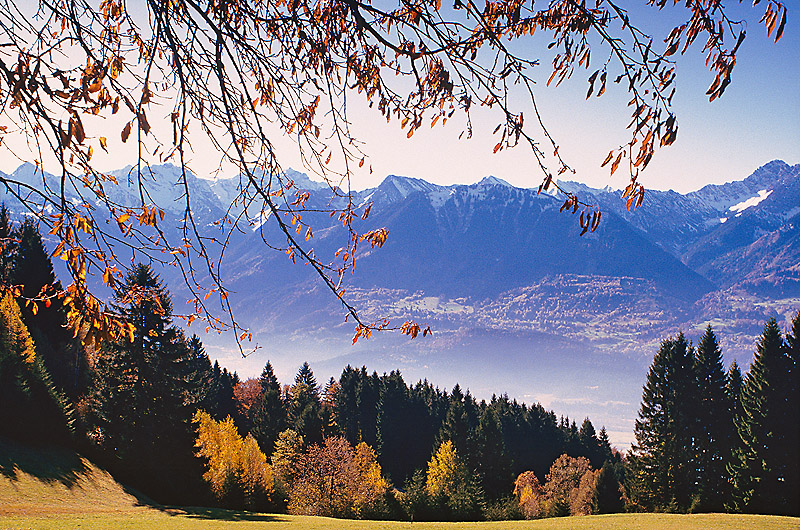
<point>792,420</point>
<point>661,459</point>
<point>304,406</point>
<point>493,464</point>
<point>711,426</point>
<point>47,324</point>
<point>270,416</point>
<point>760,470</point>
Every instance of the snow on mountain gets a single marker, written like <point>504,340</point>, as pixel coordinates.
<point>748,203</point>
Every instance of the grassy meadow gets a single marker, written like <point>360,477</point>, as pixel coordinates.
<point>58,489</point>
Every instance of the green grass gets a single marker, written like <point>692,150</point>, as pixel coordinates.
<point>57,489</point>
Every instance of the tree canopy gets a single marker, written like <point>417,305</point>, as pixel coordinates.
<point>76,75</point>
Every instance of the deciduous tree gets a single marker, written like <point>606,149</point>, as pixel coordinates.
<point>236,469</point>
<point>530,494</point>
<point>232,75</point>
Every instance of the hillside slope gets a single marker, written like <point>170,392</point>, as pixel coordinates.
<point>48,481</point>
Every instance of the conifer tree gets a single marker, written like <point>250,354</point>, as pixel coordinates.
<point>793,417</point>
<point>662,459</point>
<point>459,426</point>
<point>711,427</point>
<point>404,442</point>
<point>47,324</point>
<point>604,444</point>
<point>347,418</point>
<point>270,416</point>
<point>607,495</point>
<point>142,400</point>
<point>760,469</point>
<point>304,406</point>
<point>7,244</point>
<point>221,393</point>
<point>493,464</point>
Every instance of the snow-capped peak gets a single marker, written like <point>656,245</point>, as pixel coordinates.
<point>493,181</point>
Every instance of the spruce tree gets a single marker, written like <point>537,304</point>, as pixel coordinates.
<point>733,393</point>
<point>458,427</point>
<point>792,420</point>
<point>711,426</point>
<point>760,470</point>
<point>31,408</point>
<point>145,392</point>
<point>604,445</point>
<point>270,416</point>
<point>662,457</point>
<point>7,244</point>
<point>33,270</point>
<point>398,442</point>
<point>607,496</point>
<point>493,464</point>
<point>304,406</point>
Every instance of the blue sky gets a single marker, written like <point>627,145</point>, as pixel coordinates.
<point>756,120</point>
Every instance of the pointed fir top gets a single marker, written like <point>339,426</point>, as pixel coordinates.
<point>306,376</point>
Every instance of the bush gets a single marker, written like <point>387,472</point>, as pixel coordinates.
<point>504,509</point>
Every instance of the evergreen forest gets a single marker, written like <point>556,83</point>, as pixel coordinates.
<point>155,411</point>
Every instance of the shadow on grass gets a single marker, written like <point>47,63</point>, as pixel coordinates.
<point>219,514</point>
<point>47,464</point>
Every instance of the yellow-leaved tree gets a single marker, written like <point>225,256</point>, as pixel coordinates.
<point>445,471</point>
<point>372,486</point>
<point>236,468</point>
<point>333,479</point>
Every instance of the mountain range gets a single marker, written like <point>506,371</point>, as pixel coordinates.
<point>518,301</point>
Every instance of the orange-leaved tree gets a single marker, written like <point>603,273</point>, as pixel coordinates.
<point>79,77</point>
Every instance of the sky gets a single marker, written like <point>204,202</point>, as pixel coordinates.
<point>757,120</point>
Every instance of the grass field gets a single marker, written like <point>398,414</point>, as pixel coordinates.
<point>57,489</point>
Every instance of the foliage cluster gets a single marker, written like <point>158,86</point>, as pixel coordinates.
<point>571,487</point>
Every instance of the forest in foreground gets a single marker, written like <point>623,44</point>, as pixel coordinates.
<point>156,412</point>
